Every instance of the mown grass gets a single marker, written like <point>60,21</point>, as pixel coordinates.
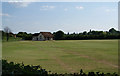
<point>65,55</point>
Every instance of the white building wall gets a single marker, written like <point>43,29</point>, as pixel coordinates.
<point>51,38</point>
<point>41,37</point>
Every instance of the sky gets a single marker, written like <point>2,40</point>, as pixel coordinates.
<point>70,17</point>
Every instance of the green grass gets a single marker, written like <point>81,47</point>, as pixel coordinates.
<point>11,39</point>
<point>65,55</point>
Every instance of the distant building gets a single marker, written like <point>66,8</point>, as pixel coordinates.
<point>42,36</point>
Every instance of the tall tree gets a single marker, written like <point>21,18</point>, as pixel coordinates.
<point>112,30</point>
<point>7,31</point>
<point>59,35</point>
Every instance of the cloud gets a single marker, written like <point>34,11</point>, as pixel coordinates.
<point>20,0</point>
<point>20,4</point>
<point>63,0</point>
<point>79,7</point>
<point>110,10</point>
<point>65,9</point>
<point>47,7</point>
<point>5,15</point>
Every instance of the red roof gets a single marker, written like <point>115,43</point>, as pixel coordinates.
<point>47,34</point>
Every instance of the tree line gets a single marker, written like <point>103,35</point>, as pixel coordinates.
<point>19,69</point>
<point>111,34</point>
<point>60,35</point>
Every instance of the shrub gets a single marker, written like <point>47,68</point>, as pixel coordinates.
<point>13,69</point>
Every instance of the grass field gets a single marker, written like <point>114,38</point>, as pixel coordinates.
<point>65,56</point>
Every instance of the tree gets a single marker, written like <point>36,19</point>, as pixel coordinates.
<point>59,35</point>
<point>112,30</point>
<point>7,31</point>
<point>68,33</point>
<point>23,35</point>
<point>84,33</point>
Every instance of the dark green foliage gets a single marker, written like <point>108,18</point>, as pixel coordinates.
<point>112,30</point>
<point>111,34</point>
<point>24,36</point>
<point>0,35</point>
<point>59,35</point>
<point>13,69</point>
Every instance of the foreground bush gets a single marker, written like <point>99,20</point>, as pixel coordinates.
<point>12,69</point>
<point>20,69</point>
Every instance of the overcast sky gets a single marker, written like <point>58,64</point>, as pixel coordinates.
<point>52,16</point>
